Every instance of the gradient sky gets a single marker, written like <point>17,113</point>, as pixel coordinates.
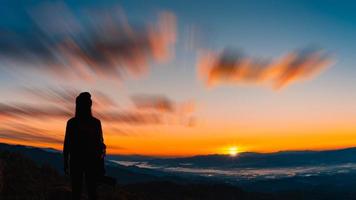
<point>297,90</point>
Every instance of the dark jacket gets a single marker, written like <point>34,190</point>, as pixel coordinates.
<point>84,146</point>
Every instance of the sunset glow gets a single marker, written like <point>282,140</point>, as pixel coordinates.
<point>177,80</point>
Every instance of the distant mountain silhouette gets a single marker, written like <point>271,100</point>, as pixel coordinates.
<point>34,173</point>
<point>243,160</point>
<point>23,178</point>
<point>46,156</point>
<point>264,160</point>
<point>123,174</point>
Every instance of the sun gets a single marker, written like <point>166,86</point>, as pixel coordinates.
<point>233,151</point>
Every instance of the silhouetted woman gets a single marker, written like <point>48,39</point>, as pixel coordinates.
<point>84,148</point>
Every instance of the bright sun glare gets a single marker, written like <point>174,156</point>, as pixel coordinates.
<point>233,151</point>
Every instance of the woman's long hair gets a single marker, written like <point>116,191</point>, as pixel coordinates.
<point>83,105</point>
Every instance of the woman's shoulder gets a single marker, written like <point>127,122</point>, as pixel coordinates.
<point>71,120</point>
<point>95,120</point>
<point>74,120</point>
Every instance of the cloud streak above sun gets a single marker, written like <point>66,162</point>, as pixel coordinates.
<point>233,67</point>
<point>162,103</point>
<point>88,43</point>
<point>54,104</point>
<point>60,103</point>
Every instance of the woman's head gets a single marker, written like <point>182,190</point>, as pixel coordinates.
<point>83,105</point>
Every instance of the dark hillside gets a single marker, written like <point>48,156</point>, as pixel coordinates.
<point>22,178</point>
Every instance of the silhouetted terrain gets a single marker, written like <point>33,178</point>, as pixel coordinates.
<point>25,178</point>
<point>33,173</point>
<point>264,160</point>
<point>21,178</point>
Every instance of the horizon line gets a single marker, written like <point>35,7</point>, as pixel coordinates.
<point>194,155</point>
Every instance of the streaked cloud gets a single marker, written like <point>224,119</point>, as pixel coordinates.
<point>54,103</point>
<point>234,67</point>
<point>162,103</point>
<point>131,118</point>
<point>153,102</point>
<point>20,133</point>
<point>36,137</point>
<point>23,111</point>
<point>65,97</point>
<point>88,43</point>
<point>30,111</point>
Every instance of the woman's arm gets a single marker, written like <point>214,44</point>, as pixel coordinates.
<point>66,147</point>
<point>101,142</point>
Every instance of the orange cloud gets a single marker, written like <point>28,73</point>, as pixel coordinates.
<point>21,136</point>
<point>24,111</point>
<point>65,97</point>
<point>153,102</point>
<point>131,118</point>
<point>162,103</point>
<point>54,105</point>
<point>98,43</point>
<point>233,67</point>
<point>59,103</point>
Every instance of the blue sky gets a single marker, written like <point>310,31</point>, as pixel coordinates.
<point>261,30</point>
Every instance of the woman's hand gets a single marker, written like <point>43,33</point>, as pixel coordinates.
<point>102,156</point>
<point>103,153</point>
<point>66,168</point>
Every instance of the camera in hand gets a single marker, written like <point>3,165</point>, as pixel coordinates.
<point>107,180</point>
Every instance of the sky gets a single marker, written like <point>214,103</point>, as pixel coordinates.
<point>181,78</point>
